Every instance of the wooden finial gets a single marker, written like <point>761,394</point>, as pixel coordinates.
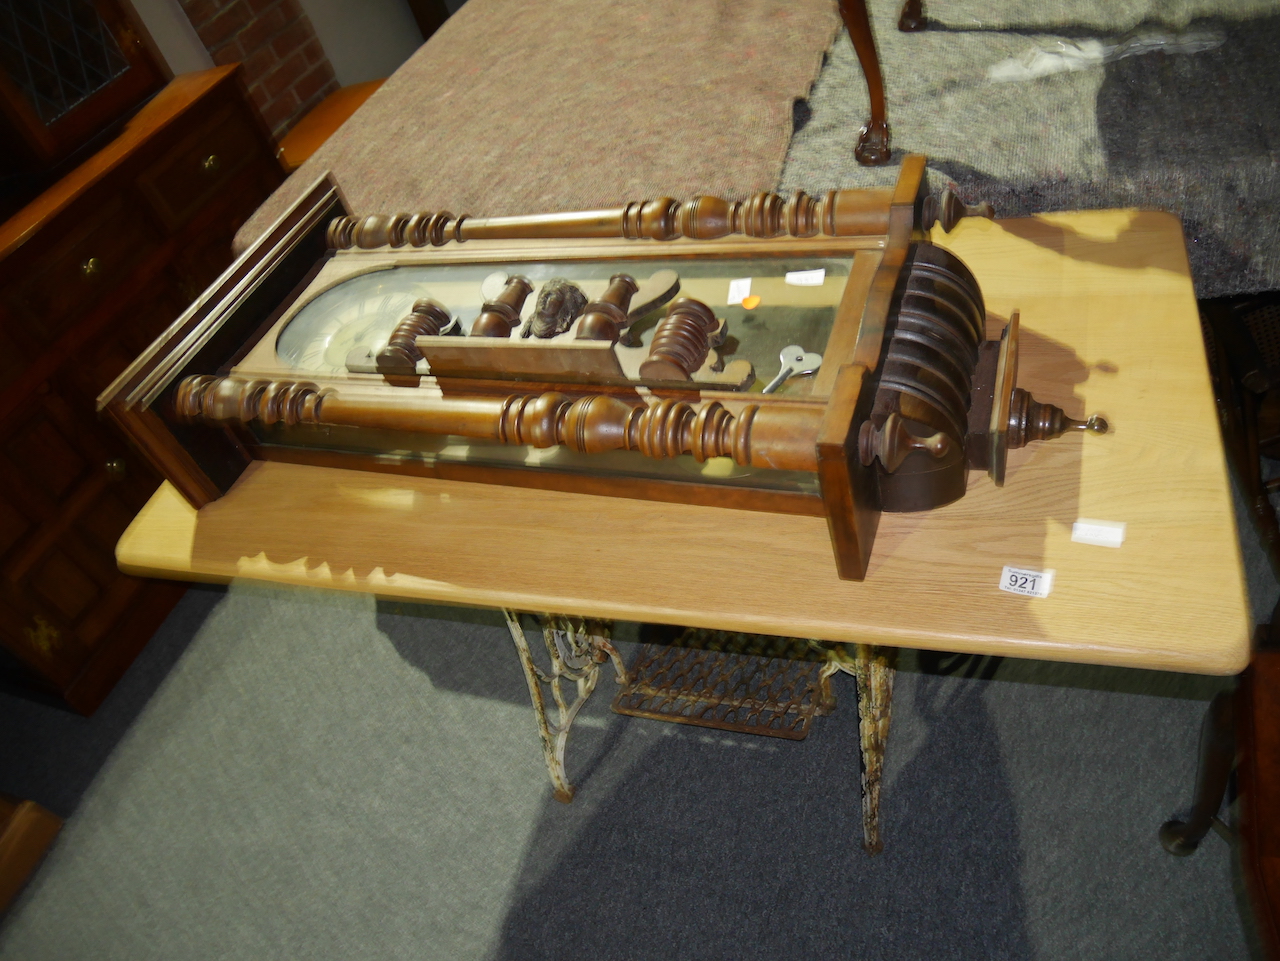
<point>500,316</point>
<point>1031,420</point>
<point>426,319</point>
<point>949,210</point>
<point>605,318</point>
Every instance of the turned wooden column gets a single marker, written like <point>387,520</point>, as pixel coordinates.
<point>776,436</point>
<point>500,316</point>
<point>605,319</point>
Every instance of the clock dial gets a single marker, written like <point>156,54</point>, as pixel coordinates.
<point>361,312</point>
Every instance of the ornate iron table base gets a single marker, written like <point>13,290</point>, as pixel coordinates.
<point>730,681</point>
<point>578,647</point>
<point>873,669</point>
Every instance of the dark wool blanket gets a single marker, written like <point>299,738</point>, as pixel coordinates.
<point>518,107</point>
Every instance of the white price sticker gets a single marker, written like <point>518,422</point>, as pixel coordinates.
<point>1019,580</point>
<point>739,290</point>
<point>806,278</point>
<point>1101,533</point>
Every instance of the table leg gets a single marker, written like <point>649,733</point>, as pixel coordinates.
<point>1217,754</point>
<point>577,649</point>
<point>873,669</point>
<point>873,140</point>
<point>874,673</point>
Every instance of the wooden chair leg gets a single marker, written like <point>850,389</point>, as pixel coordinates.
<point>873,140</point>
<point>1242,381</point>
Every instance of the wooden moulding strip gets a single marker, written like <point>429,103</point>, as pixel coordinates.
<point>571,361</point>
<point>849,493</point>
<point>568,251</point>
<point>842,342</point>
<point>219,304</point>
<point>634,488</point>
<point>149,373</point>
<point>849,490</point>
<point>128,401</point>
<point>903,217</point>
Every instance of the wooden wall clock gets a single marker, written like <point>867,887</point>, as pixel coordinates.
<point>805,355</point>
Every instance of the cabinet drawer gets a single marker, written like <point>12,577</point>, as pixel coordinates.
<point>182,181</point>
<point>94,259</point>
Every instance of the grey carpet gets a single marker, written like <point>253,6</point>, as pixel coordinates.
<point>291,774</point>
<point>52,755</point>
<point>1197,134</point>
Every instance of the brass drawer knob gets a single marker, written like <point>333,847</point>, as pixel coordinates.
<point>211,163</point>
<point>91,267</point>
<point>115,468</point>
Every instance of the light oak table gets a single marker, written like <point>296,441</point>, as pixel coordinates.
<point>1109,326</point>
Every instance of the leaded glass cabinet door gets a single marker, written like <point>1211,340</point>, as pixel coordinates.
<point>69,71</point>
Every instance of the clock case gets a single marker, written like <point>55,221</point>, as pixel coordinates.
<point>899,410</point>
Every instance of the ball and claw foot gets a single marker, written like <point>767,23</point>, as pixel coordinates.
<point>912,17</point>
<point>873,144</point>
<point>1176,838</point>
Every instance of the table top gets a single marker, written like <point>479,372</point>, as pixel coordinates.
<point>1109,326</point>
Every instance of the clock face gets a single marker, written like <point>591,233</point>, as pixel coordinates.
<point>769,304</point>
<point>360,312</point>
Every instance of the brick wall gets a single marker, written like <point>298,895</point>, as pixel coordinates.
<point>285,67</point>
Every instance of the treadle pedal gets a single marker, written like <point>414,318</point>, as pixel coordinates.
<point>752,683</point>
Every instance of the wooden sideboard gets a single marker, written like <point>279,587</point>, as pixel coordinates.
<point>90,273</point>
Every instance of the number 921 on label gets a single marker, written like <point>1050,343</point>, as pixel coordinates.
<point>1019,580</point>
